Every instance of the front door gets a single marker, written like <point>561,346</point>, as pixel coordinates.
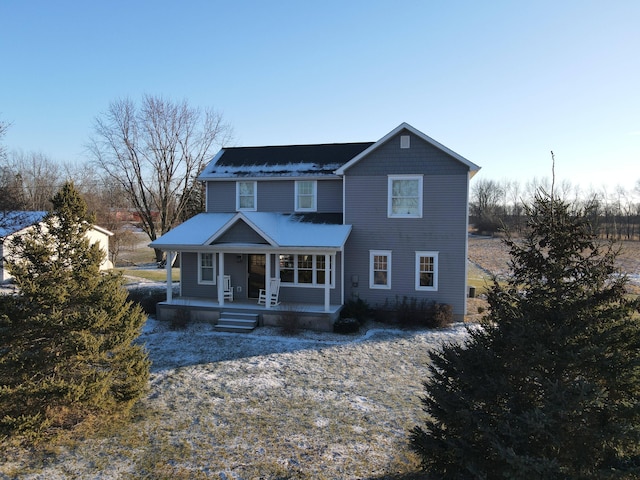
<point>256,266</point>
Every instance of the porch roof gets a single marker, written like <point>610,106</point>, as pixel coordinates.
<point>290,231</point>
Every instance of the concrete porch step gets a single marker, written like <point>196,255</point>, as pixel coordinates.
<point>237,322</point>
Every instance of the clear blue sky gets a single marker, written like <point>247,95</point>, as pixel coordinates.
<point>500,82</point>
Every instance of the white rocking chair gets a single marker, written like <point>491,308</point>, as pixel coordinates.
<point>274,287</point>
<point>227,289</point>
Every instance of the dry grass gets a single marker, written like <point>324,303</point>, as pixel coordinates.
<point>258,406</point>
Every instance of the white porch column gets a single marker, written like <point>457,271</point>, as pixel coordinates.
<point>169,279</point>
<point>327,285</point>
<point>267,279</point>
<point>221,278</point>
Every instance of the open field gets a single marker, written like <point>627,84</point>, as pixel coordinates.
<point>490,255</point>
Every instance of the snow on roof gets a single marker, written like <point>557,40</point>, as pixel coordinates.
<point>281,160</point>
<point>14,221</point>
<point>271,170</point>
<point>195,231</point>
<point>280,230</point>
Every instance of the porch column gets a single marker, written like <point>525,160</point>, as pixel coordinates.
<point>221,278</point>
<point>169,279</point>
<point>327,285</point>
<point>267,279</point>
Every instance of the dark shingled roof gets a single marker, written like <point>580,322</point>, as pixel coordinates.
<point>285,160</point>
<point>322,154</point>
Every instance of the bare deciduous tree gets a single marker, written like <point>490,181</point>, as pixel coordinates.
<point>34,176</point>
<point>486,199</point>
<point>155,151</point>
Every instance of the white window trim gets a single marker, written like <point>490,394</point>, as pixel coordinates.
<point>391,179</point>
<point>213,267</point>
<point>255,197</point>
<point>434,255</point>
<point>314,284</point>
<point>314,207</point>
<point>372,255</point>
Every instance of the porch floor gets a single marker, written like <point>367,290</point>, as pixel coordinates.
<point>252,305</point>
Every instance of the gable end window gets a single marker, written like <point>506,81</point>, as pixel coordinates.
<point>246,196</point>
<point>427,271</point>
<point>306,195</point>
<point>206,268</point>
<point>380,269</point>
<point>405,196</point>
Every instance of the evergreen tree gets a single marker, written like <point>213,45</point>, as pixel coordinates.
<point>549,386</point>
<point>67,339</point>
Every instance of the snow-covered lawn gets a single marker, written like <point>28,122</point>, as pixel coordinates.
<point>261,405</point>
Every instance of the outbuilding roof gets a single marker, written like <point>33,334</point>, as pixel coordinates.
<point>16,220</point>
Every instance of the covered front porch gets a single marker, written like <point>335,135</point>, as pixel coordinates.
<point>232,263</point>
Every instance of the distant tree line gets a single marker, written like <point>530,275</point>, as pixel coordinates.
<point>496,205</point>
<point>143,161</point>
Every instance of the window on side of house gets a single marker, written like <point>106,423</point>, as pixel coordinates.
<point>246,196</point>
<point>306,195</point>
<point>380,269</point>
<point>405,196</point>
<point>206,268</point>
<point>427,271</point>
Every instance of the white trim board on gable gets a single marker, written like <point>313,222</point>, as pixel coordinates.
<point>473,168</point>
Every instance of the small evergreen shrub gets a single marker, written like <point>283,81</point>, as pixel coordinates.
<point>442,315</point>
<point>346,325</point>
<point>289,320</point>
<point>358,309</point>
<point>414,313</point>
<point>147,298</point>
<point>179,319</point>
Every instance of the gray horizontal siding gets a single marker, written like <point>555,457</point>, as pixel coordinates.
<point>274,196</point>
<point>189,285</point>
<point>240,232</point>
<point>443,229</point>
<point>422,157</point>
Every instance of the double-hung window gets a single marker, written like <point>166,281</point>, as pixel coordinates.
<point>427,271</point>
<point>380,269</point>
<point>405,196</point>
<point>306,195</point>
<point>246,196</point>
<point>206,268</point>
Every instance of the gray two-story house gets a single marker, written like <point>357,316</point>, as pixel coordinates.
<point>301,229</point>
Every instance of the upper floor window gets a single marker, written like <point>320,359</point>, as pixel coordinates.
<point>379,269</point>
<point>306,195</point>
<point>427,271</point>
<point>405,196</point>
<point>206,268</point>
<point>246,195</point>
